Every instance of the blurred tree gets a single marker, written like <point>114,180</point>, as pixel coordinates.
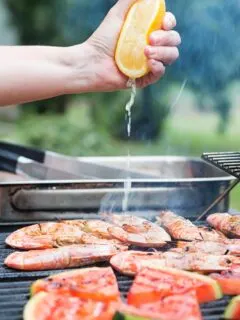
<point>40,22</point>
<point>209,56</point>
<point>210,59</point>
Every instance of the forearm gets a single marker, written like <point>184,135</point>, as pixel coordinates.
<point>36,73</point>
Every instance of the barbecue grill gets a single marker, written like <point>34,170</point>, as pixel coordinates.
<point>14,286</point>
<point>184,185</point>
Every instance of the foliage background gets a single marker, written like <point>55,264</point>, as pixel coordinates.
<point>194,109</point>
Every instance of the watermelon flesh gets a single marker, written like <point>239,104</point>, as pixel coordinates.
<point>93,294</point>
<point>151,285</point>
<point>233,310</point>
<point>229,282</point>
<point>174,307</point>
<point>49,306</point>
<point>91,283</point>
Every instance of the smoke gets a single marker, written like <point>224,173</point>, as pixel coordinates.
<point>139,202</point>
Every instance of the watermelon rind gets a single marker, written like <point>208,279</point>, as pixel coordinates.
<point>216,288</point>
<point>34,286</point>
<point>231,308</point>
<point>123,316</point>
<point>30,309</point>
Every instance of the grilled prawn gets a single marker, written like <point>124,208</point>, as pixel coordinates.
<point>57,234</point>
<point>131,262</point>
<point>211,247</point>
<point>226,223</point>
<point>137,231</point>
<point>183,229</point>
<point>62,258</point>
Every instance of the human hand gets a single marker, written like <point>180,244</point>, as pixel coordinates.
<point>100,50</point>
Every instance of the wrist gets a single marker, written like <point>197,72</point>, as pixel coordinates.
<point>80,60</point>
<point>92,70</point>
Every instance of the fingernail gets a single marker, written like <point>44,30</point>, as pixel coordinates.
<point>169,23</point>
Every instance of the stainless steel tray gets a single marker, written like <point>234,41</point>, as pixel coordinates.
<point>186,185</point>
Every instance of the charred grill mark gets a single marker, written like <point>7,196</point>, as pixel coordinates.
<point>208,228</point>
<point>150,253</point>
<point>56,285</point>
<point>40,227</point>
<point>228,261</point>
<point>201,236</point>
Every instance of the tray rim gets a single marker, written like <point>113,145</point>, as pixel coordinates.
<point>105,159</point>
<point>145,182</point>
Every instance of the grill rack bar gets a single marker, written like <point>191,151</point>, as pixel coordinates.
<point>226,161</point>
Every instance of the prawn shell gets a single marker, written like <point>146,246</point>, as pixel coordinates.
<point>61,258</point>
<point>129,263</point>
<point>226,223</point>
<point>145,240</point>
<point>132,261</point>
<point>46,235</point>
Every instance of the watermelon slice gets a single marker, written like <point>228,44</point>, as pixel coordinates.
<point>177,307</point>
<point>150,285</point>
<point>91,283</point>
<point>233,310</point>
<point>229,282</point>
<point>48,306</point>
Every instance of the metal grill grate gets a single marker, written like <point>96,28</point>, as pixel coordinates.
<point>14,287</point>
<point>227,161</point>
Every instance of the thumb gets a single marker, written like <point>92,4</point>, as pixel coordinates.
<point>122,6</point>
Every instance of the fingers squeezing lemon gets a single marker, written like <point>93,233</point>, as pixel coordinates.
<point>144,17</point>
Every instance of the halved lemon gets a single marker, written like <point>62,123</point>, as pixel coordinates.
<point>144,17</point>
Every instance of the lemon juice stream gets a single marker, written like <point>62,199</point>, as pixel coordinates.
<point>129,105</point>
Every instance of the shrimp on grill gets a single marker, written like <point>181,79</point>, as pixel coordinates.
<point>97,228</point>
<point>131,262</point>
<point>183,229</point>
<point>210,247</point>
<point>226,223</point>
<point>137,231</point>
<point>57,234</point>
<point>61,258</point>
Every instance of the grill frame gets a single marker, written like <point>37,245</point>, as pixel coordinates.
<point>15,285</point>
<point>185,185</point>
